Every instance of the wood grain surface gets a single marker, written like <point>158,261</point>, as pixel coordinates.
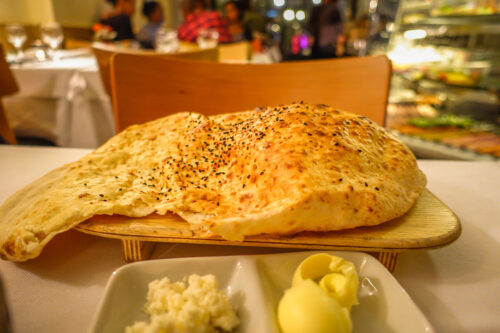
<point>160,87</point>
<point>429,224</point>
<point>8,86</point>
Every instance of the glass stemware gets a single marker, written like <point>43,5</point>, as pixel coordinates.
<point>52,35</point>
<point>166,41</point>
<point>16,35</point>
<point>207,38</point>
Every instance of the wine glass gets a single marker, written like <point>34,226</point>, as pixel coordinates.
<point>16,35</point>
<point>52,35</point>
<point>207,38</point>
<point>166,41</point>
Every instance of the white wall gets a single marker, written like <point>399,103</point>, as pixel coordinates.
<point>26,11</point>
<point>75,13</point>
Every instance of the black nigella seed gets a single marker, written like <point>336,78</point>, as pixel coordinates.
<point>101,195</point>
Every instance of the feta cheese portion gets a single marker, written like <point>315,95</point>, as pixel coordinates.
<point>193,305</point>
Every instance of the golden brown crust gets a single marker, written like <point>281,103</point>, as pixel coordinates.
<point>276,170</point>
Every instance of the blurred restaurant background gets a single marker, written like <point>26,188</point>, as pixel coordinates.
<point>445,54</point>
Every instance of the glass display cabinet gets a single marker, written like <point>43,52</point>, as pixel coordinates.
<point>445,91</point>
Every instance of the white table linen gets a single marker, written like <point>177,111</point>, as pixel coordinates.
<point>62,101</point>
<point>456,287</point>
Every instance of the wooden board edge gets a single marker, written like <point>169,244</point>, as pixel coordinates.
<point>453,234</point>
<point>263,243</point>
<point>288,242</point>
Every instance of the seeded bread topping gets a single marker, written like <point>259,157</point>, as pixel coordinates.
<point>282,170</point>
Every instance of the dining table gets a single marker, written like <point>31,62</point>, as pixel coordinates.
<point>457,287</point>
<point>61,100</point>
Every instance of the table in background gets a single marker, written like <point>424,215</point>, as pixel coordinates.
<point>456,287</point>
<point>61,101</point>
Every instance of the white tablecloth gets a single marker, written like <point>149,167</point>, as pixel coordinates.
<point>456,287</point>
<point>62,101</point>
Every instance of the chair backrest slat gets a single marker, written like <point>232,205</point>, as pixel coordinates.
<point>145,88</point>
<point>8,86</point>
<point>104,54</point>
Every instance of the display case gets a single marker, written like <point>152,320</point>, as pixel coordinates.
<point>445,91</point>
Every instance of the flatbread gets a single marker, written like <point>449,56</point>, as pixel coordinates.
<point>278,170</point>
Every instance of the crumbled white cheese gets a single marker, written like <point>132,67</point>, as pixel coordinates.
<point>196,307</point>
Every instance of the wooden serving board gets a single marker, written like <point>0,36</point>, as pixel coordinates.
<point>429,224</point>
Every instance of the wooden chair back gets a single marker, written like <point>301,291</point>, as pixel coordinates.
<point>104,54</point>
<point>71,43</point>
<point>235,52</point>
<point>8,86</point>
<point>146,88</point>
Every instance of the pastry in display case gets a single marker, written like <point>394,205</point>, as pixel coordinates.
<point>458,8</point>
<point>445,91</point>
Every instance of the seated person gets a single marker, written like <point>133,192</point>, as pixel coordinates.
<point>197,17</point>
<point>234,15</point>
<point>154,13</point>
<point>119,18</point>
<point>326,27</point>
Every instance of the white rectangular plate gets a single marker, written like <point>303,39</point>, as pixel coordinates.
<point>255,285</point>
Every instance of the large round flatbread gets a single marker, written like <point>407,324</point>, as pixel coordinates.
<point>276,170</point>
